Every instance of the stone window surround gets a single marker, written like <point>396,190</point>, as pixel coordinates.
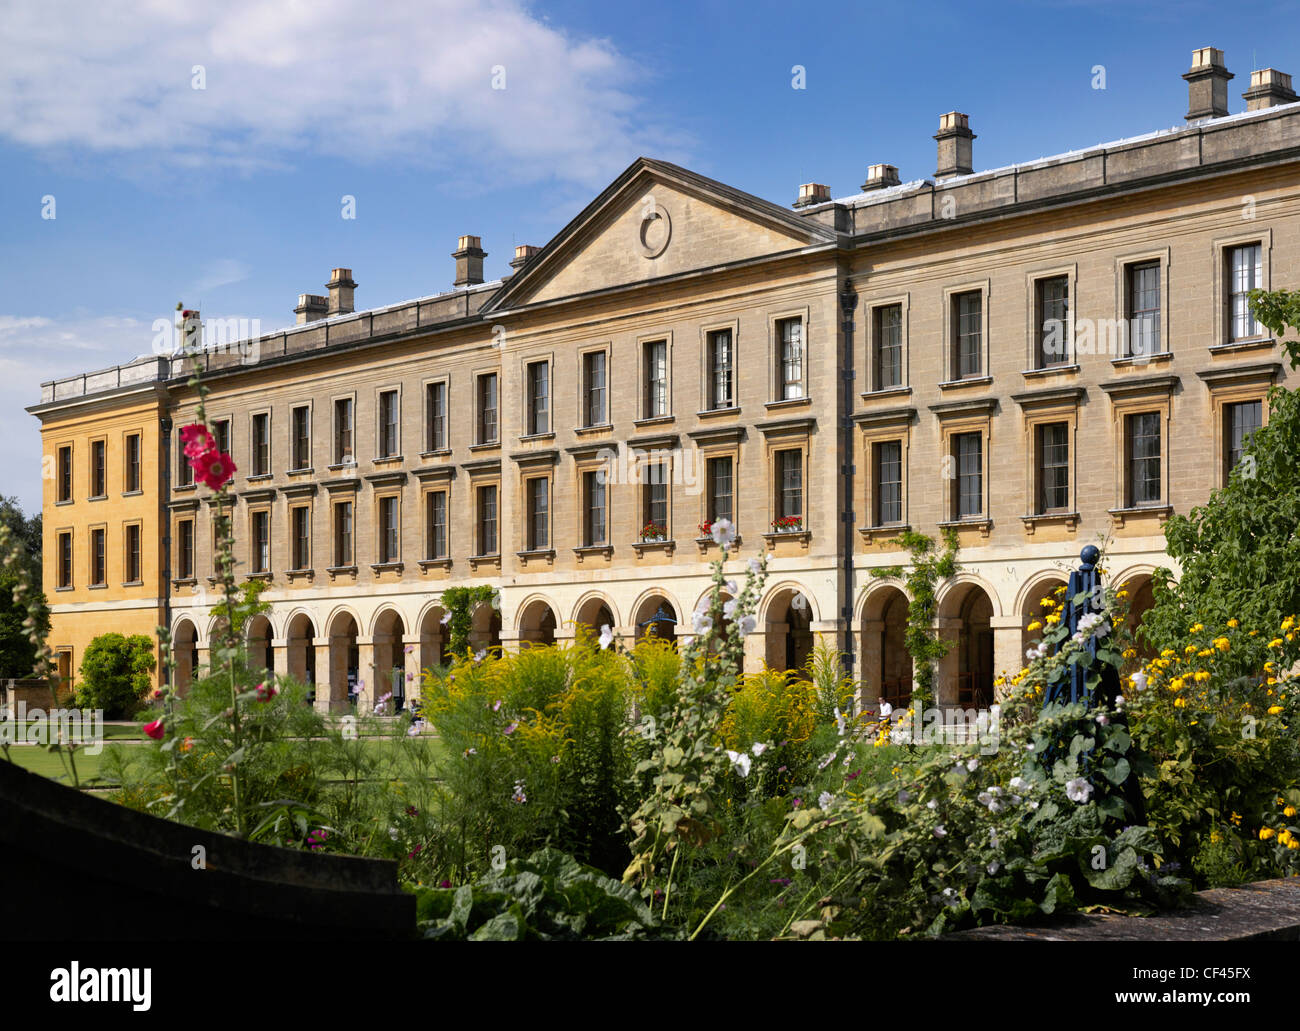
<point>706,370</point>
<point>435,481</point>
<point>720,443</point>
<point>546,358</point>
<point>337,460</point>
<point>1042,408</point>
<point>126,562</point>
<point>580,384</point>
<point>59,534</point>
<point>253,472</point>
<point>293,506</point>
<point>1220,246</point>
<point>91,530</point>
<point>880,429</point>
<point>1032,278</point>
<point>309,404</point>
<point>775,375</point>
<point>788,435</point>
<point>427,422</point>
<point>1137,397</point>
<point>1123,299</point>
<point>871,307</point>
<point>1233,385</point>
<point>378,393</point>
<point>380,495</point>
<point>126,461</point>
<point>950,294</point>
<point>975,416</point>
<point>642,381</point>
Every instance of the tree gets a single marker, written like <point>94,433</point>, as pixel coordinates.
<point>20,593</point>
<point>1240,551</point>
<point>115,674</point>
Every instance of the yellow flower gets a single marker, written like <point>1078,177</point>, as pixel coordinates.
<point>1265,833</point>
<point>1201,676</point>
<point>1176,684</point>
<point>1035,625</point>
<point>1285,838</point>
<point>1273,710</point>
<point>1236,818</point>
<point>1130,653</point>
<point>1197,628</point>
<point>1190,650</point>
<point>1047,603</point>
<point>1180,703</point>
<point>1167,652</point>
<point>1289,811</point>
<point>1222,644</point>
<point>1053,618</point>
<point>1275,643</point>
<point>1233,624</point>
<point>1291,842</point>
<point>1060,590</point>
<point>1121,594</point>
<point>1215,837</point>
<point>1288,623</point>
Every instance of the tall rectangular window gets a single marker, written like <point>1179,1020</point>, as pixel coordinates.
<point>301,437</point>
<point>1242,420</point>
<point>487,408</point>
<point>221,435</point>
<point>720,490</point>
<point>301,537</point>
<point>968,458</point>
<point>343,430</point>
<point>1144,459</point>
<point>1053,467</point>
<point>132,462</point>
<point>132,553</point>
<point>1143,309</point>
<point>655,495</point>
<point>1245,273</point>
<point>595,389</point>
<point>261,542</point>
<point>388,416</point>
<point>343,534</point>
<point>98,568</point>
<point>968,335</point>
<point>1053,307</point>
<point>539,513</point>
<point>721,369</point>
<point>65,560</point>
<point>487,520</point>
<point>593,500</point>
<point>388,530</point>
<point>261,444</point>
<point>98,469</point>
<point>789,492</point>
<point>185,549</point>
<point>539,397</point>
<point>887,362</point>
<point>65,473</point>
<point>436,514</point>
<point>790,358</point>
<point>656,379</point>
<point>888,461</point>
<point>184,471</point>
<point>436,399</point>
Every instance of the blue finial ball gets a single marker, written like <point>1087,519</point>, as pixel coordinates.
<point>1090,554</point>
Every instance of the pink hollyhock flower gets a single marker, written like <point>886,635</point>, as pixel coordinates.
<point>214,469</point>
<point>265,692</point>
<point>197,440</point>
<point>154,730</point>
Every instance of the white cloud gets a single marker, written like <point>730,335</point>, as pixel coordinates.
<point>222,272</point>
<point>408,80</point>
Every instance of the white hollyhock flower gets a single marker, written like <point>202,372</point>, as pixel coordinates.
<point>702,622</point>
<point>972,765</point>
<point>1019,784</point>
<point>740,762</point>
<point>940,831</point>
<point>931,804</point>
<point>731,587</point>
<point>729,608</point>
<point>606,636</point>
<point>825,800</point>
<point>1078,790</point>
<point>723,532</point>
<point>994,867</point>
<point>758,749</point>
<point>747,625</point>
<point>755,567</point>
<point>446,618</point>
<point>839,721</point>
<point>1139,680</point>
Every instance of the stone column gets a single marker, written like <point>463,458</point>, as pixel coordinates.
<point>872,662</point>
<point>368,685</point>
<point>774,638</point>
<point>280,657</point>
<point>945,683</point>
<point>412,670</point>
<point>755,651</point>
<point>511,639</point>
<point>324,674</point>
<point>1008,657</point>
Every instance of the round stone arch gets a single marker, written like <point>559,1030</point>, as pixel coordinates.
<point>342,628</point>
<point>536,620</point>
<point>965,614</point>
<point>485,627</point>
<point>434,639</point>
<point>886,664</point>
<point>787,625</point>
<point>1139,581</point>
<point>1037,586</point>
<point>591,611</point>
<point>647,606</point>
<point>185,650</point>
<point>299,636</point>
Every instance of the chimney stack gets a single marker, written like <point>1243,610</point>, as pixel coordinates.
<point>1207,85</point>
<point>523,253</point>
<point>469,256</point>
<point>812,193</point>
<point>879,177</point>
<point>340,288</point>
<point>311,307</point>
<point>1268,88</point>
<point>954,138</point>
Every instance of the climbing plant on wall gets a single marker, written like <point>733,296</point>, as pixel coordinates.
<point>459,603</point>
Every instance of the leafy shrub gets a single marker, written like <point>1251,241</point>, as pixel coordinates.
<point>546,897</point>
<point>115,674</point>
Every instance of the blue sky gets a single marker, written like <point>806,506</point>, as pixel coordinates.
<point>228,198</point>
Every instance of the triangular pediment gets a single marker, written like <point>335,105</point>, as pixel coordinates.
<point>655,221</point>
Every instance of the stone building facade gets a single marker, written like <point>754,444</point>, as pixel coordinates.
<point>1036,356</point>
